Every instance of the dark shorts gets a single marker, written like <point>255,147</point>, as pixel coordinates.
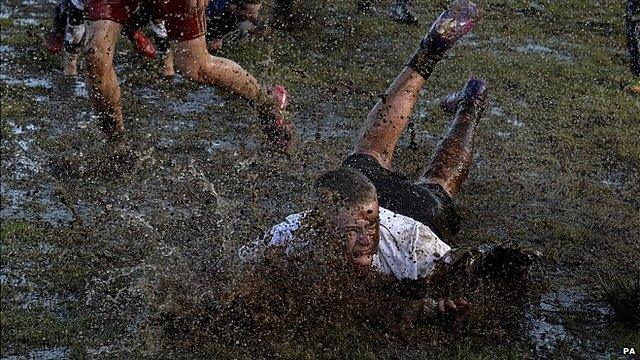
<point>426,203</point>
<point>184,19</point>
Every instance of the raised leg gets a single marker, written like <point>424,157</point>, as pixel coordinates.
<point>192,60</point>
<point>453,156</point>
<point>388,118</point>
<point>386,122</point>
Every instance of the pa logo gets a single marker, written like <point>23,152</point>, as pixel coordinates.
<point>628,351</point>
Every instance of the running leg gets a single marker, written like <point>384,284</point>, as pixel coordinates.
<point>193,61</point>
<point>102,36</point>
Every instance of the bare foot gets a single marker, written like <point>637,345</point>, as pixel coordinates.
<point>70,64</point>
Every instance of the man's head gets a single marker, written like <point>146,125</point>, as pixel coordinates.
<point>348,200</point>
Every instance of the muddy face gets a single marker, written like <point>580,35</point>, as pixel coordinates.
<point>360,227</point>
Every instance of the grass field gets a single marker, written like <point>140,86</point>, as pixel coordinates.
<point>83,244</point>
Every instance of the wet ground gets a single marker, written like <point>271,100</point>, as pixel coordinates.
<point>84,243</point>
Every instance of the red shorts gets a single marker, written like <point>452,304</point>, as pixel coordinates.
<point>184,19</point>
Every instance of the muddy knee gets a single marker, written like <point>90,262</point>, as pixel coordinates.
<point>96,61</point>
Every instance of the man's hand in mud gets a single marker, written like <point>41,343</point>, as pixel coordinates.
<point>448,306</point>
<point>428,308</point>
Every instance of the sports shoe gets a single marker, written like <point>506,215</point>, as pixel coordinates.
<point>279,131</point>
<point>142,44</point>
<point>402,12</point>
<point>458,20</point>
<point>474,89</point>
<point>54,42</point>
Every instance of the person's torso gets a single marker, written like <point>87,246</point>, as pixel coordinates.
<point>408,249</point>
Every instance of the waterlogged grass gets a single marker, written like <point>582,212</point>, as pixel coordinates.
<point>556,167</point>
<point>28,323</point>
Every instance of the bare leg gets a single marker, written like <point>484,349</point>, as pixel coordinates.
<point>390,115</point>
<point>192,60</point>
<point>101,76</point>
<point>453,156</point>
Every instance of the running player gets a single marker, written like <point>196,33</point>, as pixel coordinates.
<point>186,28</point>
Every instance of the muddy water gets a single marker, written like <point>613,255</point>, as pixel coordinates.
<point>198,189</point>
<point>51,174</point>
<point>547,320</point>
<point>44,354</point>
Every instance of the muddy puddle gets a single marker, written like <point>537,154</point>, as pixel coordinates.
<point>201,185</point>
<point>537,49</point>
<point>547,325</point>
<point>57,353</point>
<point>30,82</point>
<point>501,47</point>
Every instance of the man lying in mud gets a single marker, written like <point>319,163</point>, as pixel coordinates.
<point>390,223</point>
<point>186,26</point>
<point>384,220</point>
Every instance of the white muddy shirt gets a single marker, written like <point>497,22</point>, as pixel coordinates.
<point>408,249</point>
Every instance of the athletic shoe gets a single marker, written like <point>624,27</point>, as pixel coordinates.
<point>474,89</point>
<point>458,20</point>
<point>142,44</point>
<point>54,42</point>
<point>279,131</point>
<point>474,92</point>
<point>402,12</point>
